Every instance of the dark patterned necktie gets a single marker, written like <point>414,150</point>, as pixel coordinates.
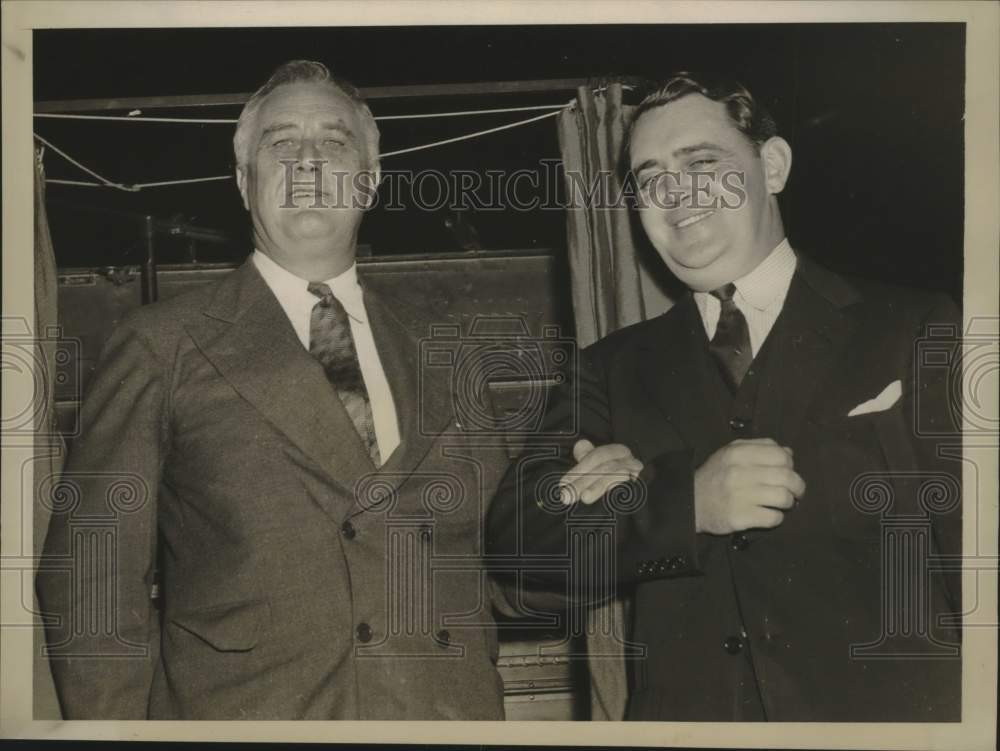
<point>331,342</point>
<point>731,344</point>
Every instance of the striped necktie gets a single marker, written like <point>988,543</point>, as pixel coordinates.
<point>731,344</point>
<point>331,342</point>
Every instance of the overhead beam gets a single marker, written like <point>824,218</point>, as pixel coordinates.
<point>371,92</point>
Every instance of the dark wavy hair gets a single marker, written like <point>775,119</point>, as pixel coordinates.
<point>747,114</point>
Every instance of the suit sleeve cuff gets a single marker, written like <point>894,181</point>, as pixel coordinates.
<point>661,541</point>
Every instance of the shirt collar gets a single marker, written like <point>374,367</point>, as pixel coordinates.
<point>287,286</point>
<point>768,282</point>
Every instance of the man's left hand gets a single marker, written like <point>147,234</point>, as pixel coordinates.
<point>598,469</point>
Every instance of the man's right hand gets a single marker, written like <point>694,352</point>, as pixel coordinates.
<point>745,484</point>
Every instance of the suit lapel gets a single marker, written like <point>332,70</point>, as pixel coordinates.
<point>248,338</point>
<point>813,331</point>
<point>673,372</point>
<point>811,337</point>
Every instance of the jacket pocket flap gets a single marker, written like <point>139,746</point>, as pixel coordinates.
<point>233,627</point>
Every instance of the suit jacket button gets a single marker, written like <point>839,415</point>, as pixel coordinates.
<point>739,541</point>
<point>364,633</point>
<point>733,645</point>
<point>738,424</point>
<point>661,566</point>
<point>347,529</point>
<point>443,637</point>
<point>677,563</point>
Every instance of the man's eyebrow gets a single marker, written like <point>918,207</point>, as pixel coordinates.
<point>682,152</point>
<point>647,164</point>
<point>703,146</point>
<point>275,127</point>
<point>335,125</point>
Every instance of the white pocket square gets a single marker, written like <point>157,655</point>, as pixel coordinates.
<point>889,396</point>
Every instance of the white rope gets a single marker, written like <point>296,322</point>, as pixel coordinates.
<point>105,183</point>
<point>467,136</point>
<point>74,182</point>
<point>162,183</point>
<point>231,121</point>
<point>126,119</point>
<point>71,160</point>
<point>465,113</point>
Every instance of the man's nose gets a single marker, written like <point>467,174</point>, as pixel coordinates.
<point>308,156</point>
<point>673,189</point>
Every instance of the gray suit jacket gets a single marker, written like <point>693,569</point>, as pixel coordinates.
<point>296,580</point>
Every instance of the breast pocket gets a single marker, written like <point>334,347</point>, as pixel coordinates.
<point>848,483</point>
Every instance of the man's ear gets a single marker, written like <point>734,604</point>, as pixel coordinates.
<point>241,183</point>
<point>777,157</point>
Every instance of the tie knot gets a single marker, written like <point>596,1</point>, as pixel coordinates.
<point>322,291</point>
<point>724,293</point>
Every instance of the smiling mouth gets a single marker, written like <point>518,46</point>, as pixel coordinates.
<point>688,221</point>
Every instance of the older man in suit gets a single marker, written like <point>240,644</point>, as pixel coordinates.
<point>279,474</point>
<point>781,508</point>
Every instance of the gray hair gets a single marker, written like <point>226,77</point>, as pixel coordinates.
<point>304,71</point>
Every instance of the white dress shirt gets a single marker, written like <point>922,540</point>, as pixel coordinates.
<point>759,296</point>
<point>298,302</point>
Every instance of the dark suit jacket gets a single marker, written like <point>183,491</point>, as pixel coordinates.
<point>296,580</point>
<point>762,626</point>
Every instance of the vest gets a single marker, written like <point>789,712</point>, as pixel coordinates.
<point>745,417</point>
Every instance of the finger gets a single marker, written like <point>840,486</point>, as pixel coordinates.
<point>579,483</point>
<point>782,477</point>
<point>772,496</point>
<point>581,448</point>
<point>589,487</point>
<point>612,458</point>
<point>761,455</point>
<point>574,485</point>
<point>606,482</point>
<point>568,495</point>
<point>631,466</point>
<point>599,456</point>
<point>764,518</point>
<point>592,485</point>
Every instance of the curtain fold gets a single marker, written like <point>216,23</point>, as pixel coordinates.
<point>611,287</point>
<point>49,450</point>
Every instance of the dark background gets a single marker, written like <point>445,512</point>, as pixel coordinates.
<point>874,113</point>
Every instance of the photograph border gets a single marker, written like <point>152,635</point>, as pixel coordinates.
<point>982,238</point>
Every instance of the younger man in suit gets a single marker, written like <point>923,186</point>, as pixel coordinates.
<point>788,508</point>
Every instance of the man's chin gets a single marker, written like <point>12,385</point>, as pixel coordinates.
<point>312,224</point>
<point>701,274</point>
